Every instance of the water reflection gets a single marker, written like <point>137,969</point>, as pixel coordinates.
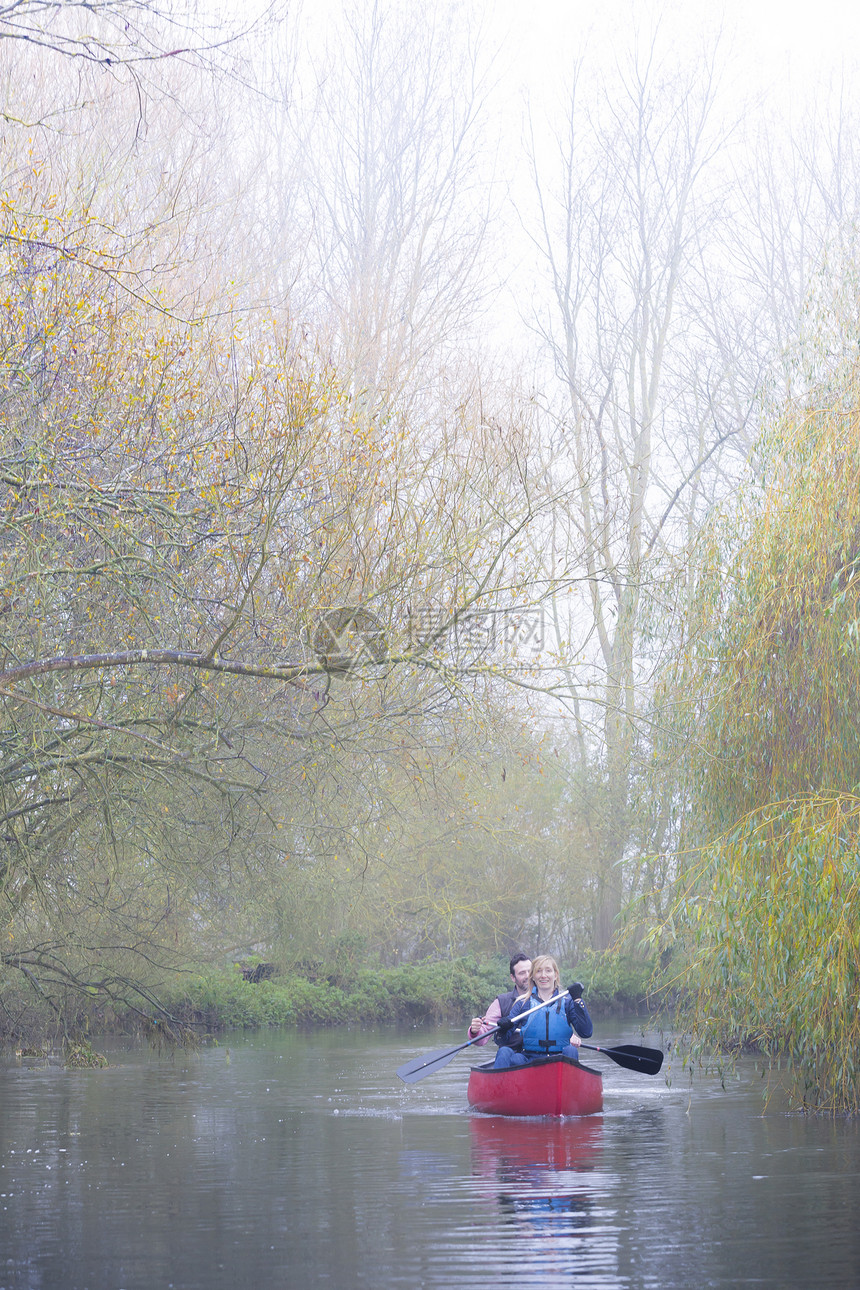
<point>534,1151</point>
<point>546,1180</point>
<point>302,1164</point>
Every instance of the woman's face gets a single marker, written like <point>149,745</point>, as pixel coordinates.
<point>545,977</point>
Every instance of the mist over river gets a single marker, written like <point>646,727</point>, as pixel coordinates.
<point>280,1159</point>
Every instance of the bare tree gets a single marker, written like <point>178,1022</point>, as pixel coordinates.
<point>389,147</point>
<point>126,33</point>
<point>620,227</point>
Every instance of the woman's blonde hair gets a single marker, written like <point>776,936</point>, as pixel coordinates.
<point>544,960</point>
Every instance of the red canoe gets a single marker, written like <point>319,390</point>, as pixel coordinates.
<point>547,1086</point>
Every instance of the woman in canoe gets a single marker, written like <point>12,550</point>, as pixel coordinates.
<point>556,1029</point>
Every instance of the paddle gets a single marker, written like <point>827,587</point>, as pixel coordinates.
<point>645,1060</point>
<point>415,1070</point>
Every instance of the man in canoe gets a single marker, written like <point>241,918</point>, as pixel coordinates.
<point>557,1029</point>
<point>521,967</point>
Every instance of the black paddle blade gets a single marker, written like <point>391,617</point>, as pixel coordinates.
<point>646,1060</point>
<point>415,1070</point>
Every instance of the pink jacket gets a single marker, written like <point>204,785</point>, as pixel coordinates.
<point>488,1022</point>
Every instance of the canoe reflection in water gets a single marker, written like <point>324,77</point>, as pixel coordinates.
<point>542,1175</point>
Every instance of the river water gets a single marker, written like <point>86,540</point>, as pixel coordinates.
<point>299,1160</point>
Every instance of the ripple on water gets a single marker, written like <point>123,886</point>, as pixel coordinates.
<point>303,1161</point>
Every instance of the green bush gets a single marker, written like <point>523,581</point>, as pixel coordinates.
<point>223,999</point>
<point>452,990</point>
<point>613,982</point>
<point>347,991</point>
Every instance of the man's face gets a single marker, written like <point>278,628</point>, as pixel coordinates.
<point>522,971</point>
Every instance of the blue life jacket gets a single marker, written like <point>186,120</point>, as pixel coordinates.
<point>547,1031</point>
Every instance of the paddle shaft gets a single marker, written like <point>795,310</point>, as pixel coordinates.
<point>409,1072</point>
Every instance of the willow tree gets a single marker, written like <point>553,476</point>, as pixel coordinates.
<point>191,518</point>
<point>768,905</point>
<point>133,531</point>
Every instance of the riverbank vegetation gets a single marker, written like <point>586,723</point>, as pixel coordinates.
<point>765,915</point>
<point>357,621</point>
<point>205,1002</point>
<point>414,993</point>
